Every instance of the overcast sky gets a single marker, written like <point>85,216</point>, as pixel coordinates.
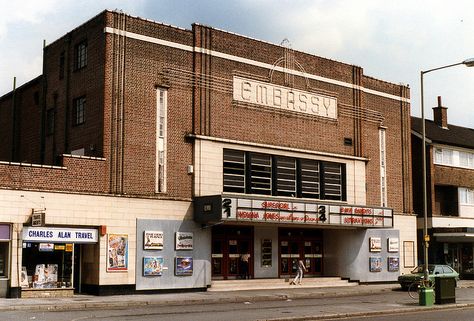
<point>390,40</point>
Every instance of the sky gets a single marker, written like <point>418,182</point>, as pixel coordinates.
<point>391,40</point>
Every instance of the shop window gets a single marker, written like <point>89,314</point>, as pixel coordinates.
<point>47,265</point>
<point>4,259</point>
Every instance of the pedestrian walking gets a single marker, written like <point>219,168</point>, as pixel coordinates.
<point>299,273</point>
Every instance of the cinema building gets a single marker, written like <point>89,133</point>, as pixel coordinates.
<point>450,189</point>
<point>147,157</point>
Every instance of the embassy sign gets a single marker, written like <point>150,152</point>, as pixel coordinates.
<point>283,98</point>
<point>272,211</point>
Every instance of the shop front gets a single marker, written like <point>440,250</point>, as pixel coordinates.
<point>5,240</point>
<point>455,247</point>
<point>51,260</point>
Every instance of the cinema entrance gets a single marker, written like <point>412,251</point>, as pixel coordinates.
<point>228,244</point>
<point>305,244</point>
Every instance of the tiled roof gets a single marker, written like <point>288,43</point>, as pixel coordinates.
<point>454,135</point>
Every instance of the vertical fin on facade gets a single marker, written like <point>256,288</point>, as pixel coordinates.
<point>202,69</point>
<point>405,121</point>
<point>357,103</point>
<point>117,117</point>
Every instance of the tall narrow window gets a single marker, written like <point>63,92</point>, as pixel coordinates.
<point>466,196</point>
<point>286,176</point>
<point>62,60</point>
<point>79,105</point>
<point>81,55</point>
<point>161,131</point>
<point>333,181</point>
<point>234,171</point>
<point>260,174</point>
<point>309,178</point>
<point>383,168</point>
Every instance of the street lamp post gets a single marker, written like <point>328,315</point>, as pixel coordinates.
<point>468,63</point>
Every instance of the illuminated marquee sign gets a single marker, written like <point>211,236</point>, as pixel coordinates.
<point>270,211</point>
<point>284,98</point>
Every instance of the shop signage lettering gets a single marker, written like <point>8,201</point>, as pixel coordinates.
<point>284,98</point>
<point>60,235</point>
<point>258,210</point>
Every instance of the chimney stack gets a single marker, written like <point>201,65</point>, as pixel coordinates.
<point>440,115</point>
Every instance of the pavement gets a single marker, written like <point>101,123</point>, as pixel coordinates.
<point>383,301</point>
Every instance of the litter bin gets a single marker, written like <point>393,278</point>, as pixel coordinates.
<point>445,290</point>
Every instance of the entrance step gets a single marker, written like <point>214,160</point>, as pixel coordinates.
<point>260,284</point>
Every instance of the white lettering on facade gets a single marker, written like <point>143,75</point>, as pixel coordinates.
<point>269,95</point>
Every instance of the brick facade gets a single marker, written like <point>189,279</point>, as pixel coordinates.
<point>129,59</point>
<point>120,80</point>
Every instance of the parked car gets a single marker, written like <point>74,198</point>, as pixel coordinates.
<point>434,270</point>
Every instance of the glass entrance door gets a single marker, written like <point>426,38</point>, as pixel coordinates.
<point>289,255</point>
<point>228,245</point>
<point>313,254</point>
<point>305,244</point>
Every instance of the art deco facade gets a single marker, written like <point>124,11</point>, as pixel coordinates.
<point>170,152</point>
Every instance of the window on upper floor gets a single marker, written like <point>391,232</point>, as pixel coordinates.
<point>265,174</point>
<point>383,167</point>
<point>466,159</point>
<point>81,55</point>
<point>452,157</point>
<point>79,106</point>
<point>443,156</point>
<point>466,196</point>
<point>161,135</point>
<point>62,61</point>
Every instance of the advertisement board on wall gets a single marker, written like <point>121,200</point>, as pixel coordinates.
<point>117,252</point>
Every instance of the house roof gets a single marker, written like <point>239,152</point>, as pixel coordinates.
<point>454,135</point>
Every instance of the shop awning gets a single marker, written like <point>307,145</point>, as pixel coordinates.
<point>454,237</point>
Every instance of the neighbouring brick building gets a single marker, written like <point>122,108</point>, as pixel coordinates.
<point>450,189</point>
<point>166,153</point>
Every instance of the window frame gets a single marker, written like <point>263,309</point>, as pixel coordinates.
<point>79,111</point>
<point>161,132</point>
<point>329,177</point>
<point>80,55</point>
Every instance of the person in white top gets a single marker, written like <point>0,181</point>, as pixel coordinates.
<point>299,273</point>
